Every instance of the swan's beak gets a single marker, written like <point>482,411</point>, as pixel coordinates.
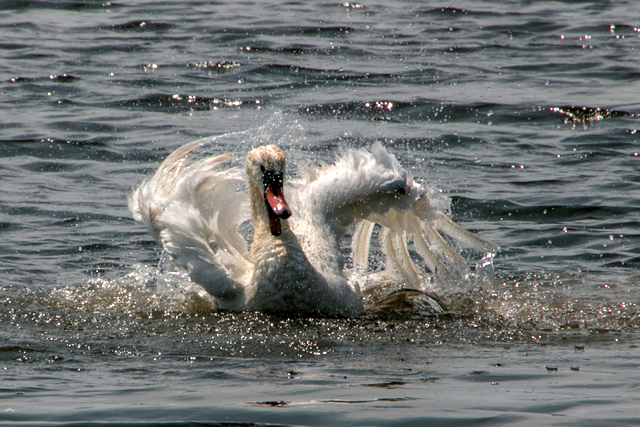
<point>277,206</point>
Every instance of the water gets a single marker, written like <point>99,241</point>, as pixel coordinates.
<point>494,103</point>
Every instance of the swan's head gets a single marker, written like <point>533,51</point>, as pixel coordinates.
<point>265,174</point>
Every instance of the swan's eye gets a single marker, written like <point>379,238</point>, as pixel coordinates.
<point>273,178</point>
<point>262,168</point>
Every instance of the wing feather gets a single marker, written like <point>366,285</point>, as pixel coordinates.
<point>360,244</point>
<point>194,207</point>
<point>399,262</point>
<point>370,187</point>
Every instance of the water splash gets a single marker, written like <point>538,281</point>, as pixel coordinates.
<point>144,289</point>
<point>586,115</point>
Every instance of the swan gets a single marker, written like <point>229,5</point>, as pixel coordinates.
<point>293,264</point>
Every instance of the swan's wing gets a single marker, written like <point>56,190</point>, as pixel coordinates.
<point>194,207</point>
<point>359,183</point>
<point>368,187</point>
<point>436,238</point>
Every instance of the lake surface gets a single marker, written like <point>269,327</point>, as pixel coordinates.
<point>524,114</point>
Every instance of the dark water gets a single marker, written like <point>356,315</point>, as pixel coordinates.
<point>523,113</point>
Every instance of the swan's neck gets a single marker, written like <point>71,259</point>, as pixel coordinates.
<point>266,247</point>
<point>278,259</point>
<point>259,215</point>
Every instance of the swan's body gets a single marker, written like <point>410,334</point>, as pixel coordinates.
<point>295,265</point>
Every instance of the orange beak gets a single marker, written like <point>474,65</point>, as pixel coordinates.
<point>277,207</point>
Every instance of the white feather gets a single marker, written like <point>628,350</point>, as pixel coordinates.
<point>194,207</point>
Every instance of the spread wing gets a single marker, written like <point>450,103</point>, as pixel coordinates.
<point>370,187</point>
<point>194,207</point>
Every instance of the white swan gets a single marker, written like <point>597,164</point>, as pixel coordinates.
<point>295,265</point>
